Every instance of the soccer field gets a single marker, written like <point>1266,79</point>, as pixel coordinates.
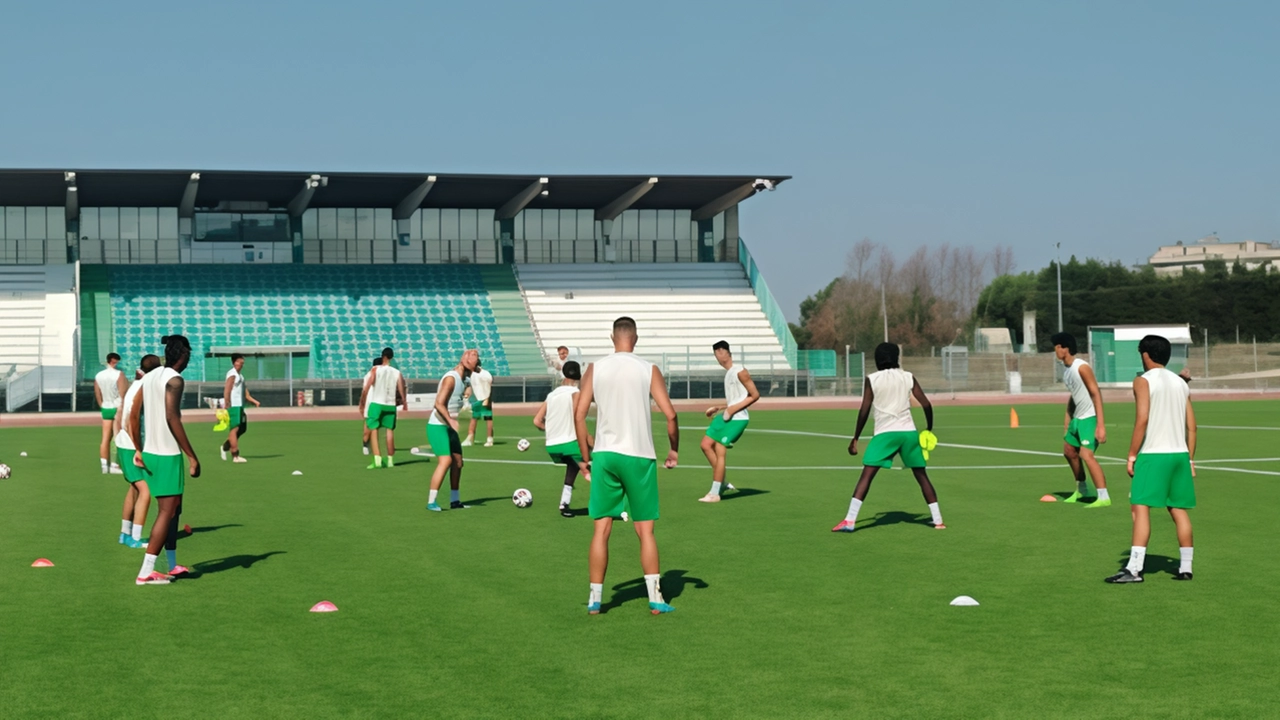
<point>481,612</point>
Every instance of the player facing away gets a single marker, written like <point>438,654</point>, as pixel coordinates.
<point>109,386</point>
<point>442,432</point>
<point>1084,424</point>
<point>730,419</point>
<point>1161,457</point>
<point>623,469</point>
<point>887,394</point>
<point>234,395</point>
<point>364,398</point>
<point>555,417</point>
<point>480,390</point>
<point>159,406</point>
<point>137,498</point>
<point>382,387</point>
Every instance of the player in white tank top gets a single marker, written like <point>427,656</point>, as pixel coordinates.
<point>621,386</point>
<point>234,395</point>
<point>1084,428</point>
<point>443,425</point>
<point>887,393</point>
<point>383,386</point>
<point>555,417</point>
<point>729,420</point>
<point>109,386</point>
<point>137,497</point>
<point>364,399</point>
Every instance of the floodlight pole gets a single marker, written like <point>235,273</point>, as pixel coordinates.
<point>884,311</point>
<point>1059,265</point>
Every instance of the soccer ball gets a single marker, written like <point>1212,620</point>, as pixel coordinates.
<point>522,498</point>
<point>4,472</point>
<point>522,445</point>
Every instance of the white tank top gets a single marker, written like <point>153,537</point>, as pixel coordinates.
<point>237,389</point>
<point>448,403</point>
<point>386,380</point>
<point>620,384</point>
<point>106,381</point>
<point>158,439</point>
<point>559,418</point>
<point>481,382</point>
<point>1079,393</point>
<point>123,440</point>
<point>734,391</point>
<point>891,406</point>
<point>1167,418</point>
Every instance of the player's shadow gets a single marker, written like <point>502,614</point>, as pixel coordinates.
<point>1154,563</point>
<point>230,562</point>
<point>211,528</point>
<point>261,457</point>
<point>673,584</point>
<point>742,493</point>
<point>480,502</point>
<point>897,517</point>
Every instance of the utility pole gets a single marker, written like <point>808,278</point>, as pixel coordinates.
<point>1059,264</point>
<point>884,310</point>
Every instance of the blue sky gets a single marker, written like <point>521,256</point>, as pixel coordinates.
<point>1109,127</point>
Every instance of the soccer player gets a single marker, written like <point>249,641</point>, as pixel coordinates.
<point>364,396</point>
<point>442,432</point>
<point>730,419</point>
<point>109,386</point>
<point>159,405</point>
<point>1084,425</point>
<point>888,392</point>
<point>1161,457</point>
<point>562,357</point>
<point>480,390</point>
<point>383,385</point>
<point>137,499</point>
<point>623,469</point>
<point>234,393</point>
<point>555,417</point>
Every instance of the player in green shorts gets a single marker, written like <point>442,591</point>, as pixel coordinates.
<point>234,396</point>
<point>1084,425</point>
<point>364,408</point>
<point>383,387</point>
<point>730,419</point>
<point>888,392</point>
<point>555,417</point>
<point>137,498</point>
<point>480,393</point>
<point>442,433</point>
<point>1161,458</point>
<point>109,386</point>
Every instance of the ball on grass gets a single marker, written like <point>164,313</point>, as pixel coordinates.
<point>522,445</point>
<point>522,498</point>
<point>5,471</point>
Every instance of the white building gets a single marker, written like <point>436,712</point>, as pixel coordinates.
<point>1173,259</point>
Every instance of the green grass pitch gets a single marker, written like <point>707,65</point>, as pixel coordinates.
<point>481,613</point>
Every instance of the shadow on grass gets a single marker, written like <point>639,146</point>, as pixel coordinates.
<point>742,493</point>
<point>480,502</point>
<point>1153,563</point>
<point>211,528</point>
<point>260,457</point>
<point>897,517</point>
<point>1082,501</point>
<point>230,562</point>
<point>673,584</point>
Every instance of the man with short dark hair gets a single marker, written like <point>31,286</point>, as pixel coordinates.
<point>1084,425</point>
<point>109,386</point>
<point>364,398</point>
<point>234,394</point>
<point>888,392</point>
<point>137,499</point>
<point>1161,458</point>
<point>480,392</point>
<point>730,419</point>
<point>555,417</point>
<point>383,386</point>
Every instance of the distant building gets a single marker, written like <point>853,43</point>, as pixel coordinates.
<point>1173,259</point>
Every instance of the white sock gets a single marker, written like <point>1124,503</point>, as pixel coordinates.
<point>172,556</point>
<point>854,506</point>
<point>126,527</point>
<point>936,513</point>
<point>655,592</point>
<point>1082,487</point>
<point>431,499</point>
<point>715,488</point>
<point>470,438</point>
<point>148,565</point>
<point>1137,556</point>
<point>137,532</point>
<point>1185,554</point>
<point>1103,494</point>
<point>103,461</point>
<point>455,496</point>
<point>566,494</point>
<point>597,592</point>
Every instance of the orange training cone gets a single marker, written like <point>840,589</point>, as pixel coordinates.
<point>42,562</point>
<point>1013,418</point>
<point>1048,498</point>
<point>324,606</point>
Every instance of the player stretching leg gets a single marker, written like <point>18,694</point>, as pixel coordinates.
<point>382,386</point>
<point>624,468</point>
<point>234,393</point>
<point>1085,428</point>
<point>480,390</point>
<point>1161,457</point>
<point>364,397</point>
<point>888,392</point>
<point>555,417</point>
<point>442,432</point>
<point>109,386</point>
<point>730,419</point>
<point>162,453</point>
<point>137,499</point>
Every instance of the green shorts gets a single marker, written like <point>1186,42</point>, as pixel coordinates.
<point>480,411</point>
<point>238,418</point>
<point>618,480</point>
<point>564,452</point>
<point>884,446</point>
<point>444,440</point>
<point>1082,432</point>
<point>132,473</point>
<point>726,432</point>
<point>108,413</point>
<point>378,415</point>
<point>165,474</point>
<point>1163,480</point>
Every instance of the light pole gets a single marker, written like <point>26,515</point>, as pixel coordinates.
<point>1059,264</point>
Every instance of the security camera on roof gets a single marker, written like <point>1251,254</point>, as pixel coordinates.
<point>760,185</point>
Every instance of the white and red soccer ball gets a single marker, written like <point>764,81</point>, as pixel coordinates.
<point>522,445</point>
<point>522,498</point>
<point>5,471</point>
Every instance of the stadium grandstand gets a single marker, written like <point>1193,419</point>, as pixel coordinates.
<point>310,275</point>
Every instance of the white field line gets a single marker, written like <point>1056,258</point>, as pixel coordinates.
<point>1236,427</point>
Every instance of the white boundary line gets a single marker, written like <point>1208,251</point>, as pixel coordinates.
<point>1236,427</point>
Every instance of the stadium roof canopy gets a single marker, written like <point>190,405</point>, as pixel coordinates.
<point>404,191</point>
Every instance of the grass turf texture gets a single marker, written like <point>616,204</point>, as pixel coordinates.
<point>481,612</point>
